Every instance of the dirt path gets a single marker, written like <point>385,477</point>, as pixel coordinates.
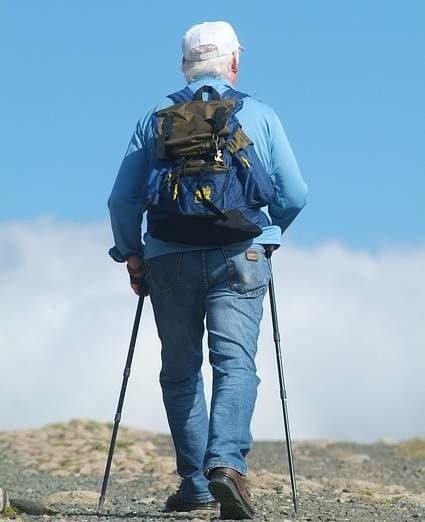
<point>55,473</point>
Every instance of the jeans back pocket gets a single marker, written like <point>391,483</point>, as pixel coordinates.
<point>248,269</point>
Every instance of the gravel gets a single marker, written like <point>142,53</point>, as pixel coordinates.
<point>336,481</point>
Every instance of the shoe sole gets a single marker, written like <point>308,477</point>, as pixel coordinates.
<point>232,505</point>
<point>190,509</point>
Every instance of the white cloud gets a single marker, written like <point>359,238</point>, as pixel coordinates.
<point>352,327</point>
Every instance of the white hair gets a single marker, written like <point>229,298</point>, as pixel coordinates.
<point>216,67</point>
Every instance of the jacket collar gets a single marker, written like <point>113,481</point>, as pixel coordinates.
<point>219,83</point>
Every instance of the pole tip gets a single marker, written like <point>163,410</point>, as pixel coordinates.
<point>99,508</point>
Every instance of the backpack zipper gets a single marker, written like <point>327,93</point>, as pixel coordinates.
<point>243,160</point>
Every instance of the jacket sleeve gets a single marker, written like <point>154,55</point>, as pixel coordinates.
<point>291,190</point>
<point>127,199</point>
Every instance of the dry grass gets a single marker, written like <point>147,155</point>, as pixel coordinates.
<point>411,449</point>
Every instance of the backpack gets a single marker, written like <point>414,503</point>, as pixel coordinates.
<point>207,185</point>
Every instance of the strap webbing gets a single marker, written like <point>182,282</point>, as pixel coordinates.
<point>186,94</point>
<point>210,206</point>
<point>182,96</point>
<point>233,93</point>
<point>208,89</point>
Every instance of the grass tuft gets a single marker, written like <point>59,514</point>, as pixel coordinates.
<point>9,512</point>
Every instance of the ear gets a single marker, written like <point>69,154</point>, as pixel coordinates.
<point>234,66</point>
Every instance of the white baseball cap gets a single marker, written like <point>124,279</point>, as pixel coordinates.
<point>209,40</point>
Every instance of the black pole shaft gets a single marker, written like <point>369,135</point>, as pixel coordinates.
<point>283,397</point>
<point>121,400</point>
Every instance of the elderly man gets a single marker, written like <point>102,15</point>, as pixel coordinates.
<point>223,280</point>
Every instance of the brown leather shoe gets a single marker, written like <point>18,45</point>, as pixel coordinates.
<point>228,487</point>
<point>176,502</point>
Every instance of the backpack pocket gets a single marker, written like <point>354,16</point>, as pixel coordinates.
<point>201,194</point>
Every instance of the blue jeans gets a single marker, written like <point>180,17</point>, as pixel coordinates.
<point>225,286</point>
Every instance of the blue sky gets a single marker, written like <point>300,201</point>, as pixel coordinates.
<point>347,79</point>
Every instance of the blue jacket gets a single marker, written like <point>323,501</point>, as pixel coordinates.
<point>262,126</point>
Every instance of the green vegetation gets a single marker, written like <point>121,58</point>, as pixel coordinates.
<point>411,449</point>
<point>9,512</point>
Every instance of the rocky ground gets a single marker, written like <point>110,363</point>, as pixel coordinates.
<point>55,473</point>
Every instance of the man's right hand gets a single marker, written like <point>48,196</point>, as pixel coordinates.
<point>137,271</point>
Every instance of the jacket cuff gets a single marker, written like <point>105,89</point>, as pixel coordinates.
<point>122,258</point>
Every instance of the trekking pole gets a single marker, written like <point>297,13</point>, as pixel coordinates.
<point>121,401</point>
<point>283,396</point>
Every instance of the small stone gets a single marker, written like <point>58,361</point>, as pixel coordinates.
<point>31,507</point>
<point>357,458</point>
<point>344,498</point>
<point>418,499</point>
<point>4,500</point>
<point>146,500</point>
<point>73,499</point>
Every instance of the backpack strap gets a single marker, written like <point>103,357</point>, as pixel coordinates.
<point>182,96</point>
<point>206,88</point>
<point>186,94</point>
<point>233,93</point>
